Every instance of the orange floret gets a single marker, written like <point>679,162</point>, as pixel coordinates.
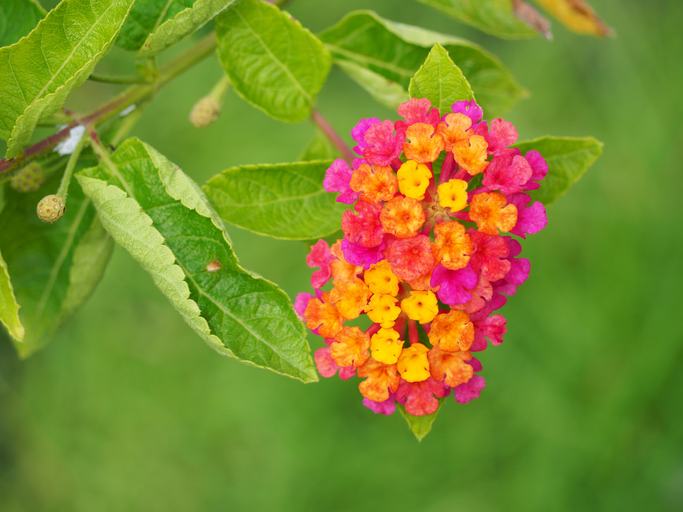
<point>424,145</point>
<point>413,179</point>
<point>381,378</point>
<point>381,279</point>
<point>402,217</point>
<point>380,185</point>
<point>450,367</point>
<point>455,128</point>
<point>453,194</point>
<point>322,315</point>
<point>382,309</point>
<point>423,283</point>
<point>420,306</point>
<point>350,298</point>
<point>385,346</point>
<point>341,270</point>
<point>452,246</point>
<point>351,347</point>
<point>471,154</point>
<point>452,331</point>
<point>490,212</point>
<point>413,364</point>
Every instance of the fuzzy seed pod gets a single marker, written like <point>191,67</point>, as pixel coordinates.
<point>51,208</point>
<point>28,179</point>
<point>205,112</point>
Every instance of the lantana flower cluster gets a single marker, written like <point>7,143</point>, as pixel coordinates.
<point>425,243</point>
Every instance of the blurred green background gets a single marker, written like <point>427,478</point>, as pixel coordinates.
<point>127,409</point>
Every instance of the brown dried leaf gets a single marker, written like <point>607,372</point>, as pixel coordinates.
<point>531,17</point>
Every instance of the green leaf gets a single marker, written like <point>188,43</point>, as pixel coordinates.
<point>41,70</point>
<point>420,425</point>
<point>320,148</point>
<point>272,61</point>
<point>440,81</point>
<point>145,17</point>
<point>382,56</point>
<point>9,309</point>
<point>45,261</point>
<point>283,200</point>
<point>492,16</point>
<point>186,22</point>
<point>18,18</point>
<point>567,157</point>
<point>162,218</point>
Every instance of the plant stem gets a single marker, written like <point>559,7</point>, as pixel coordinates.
<point>116,79</point>
<point>333,137</point>
<point>130,96</point>
<point>70,166</point>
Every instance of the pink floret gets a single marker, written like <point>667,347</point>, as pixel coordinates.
<point>530,219</point>
<point>358,133</point>
<point>501,135</point>
<point>539,169</point>
<point>383,146</point>
<point>361,256</point>
<point>507,175</point>
<point>301,303</point>
<point>417,111</point>
<point>470,109</point>
<point>492,327</point>
<point>321,257</point>
<point>420,398</point>
<point>338,179</point>
<point>454,285</point>
<point>465,393</point>
<point>387,407</point>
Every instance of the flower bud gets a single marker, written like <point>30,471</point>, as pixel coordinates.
<point>205,112</point>
<point>28,179</point>
<point>51,208</point>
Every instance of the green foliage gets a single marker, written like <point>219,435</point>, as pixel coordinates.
<point>48,281</point>
<point>320,148</point>
<point>382,56</point>
<point>420,425</point>
<point>162,218</point>
<point>283,200</point>
<point>9,309</point>
<point>440,81</point>
<point>186,22</point>
<point>18,18</point>
<point>52,61</point>
<point>146,17</point>
<point>567,157</point>
<point>492,16</point>
<point>272,61</point>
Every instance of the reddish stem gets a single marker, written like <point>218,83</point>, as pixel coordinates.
<point>413,335</point>
<point>333,137</point>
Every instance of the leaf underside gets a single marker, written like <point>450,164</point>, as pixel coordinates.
<point>420,425</point>
<point>162,218</point>
<point>492,16</point>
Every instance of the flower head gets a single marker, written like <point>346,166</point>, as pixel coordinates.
<point>429,285</point>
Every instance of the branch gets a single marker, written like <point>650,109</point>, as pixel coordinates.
<point>129,97</point>
<point>333,137</point>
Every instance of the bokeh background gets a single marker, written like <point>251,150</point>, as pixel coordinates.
<point>127,409</point>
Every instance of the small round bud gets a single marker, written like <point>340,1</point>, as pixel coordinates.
<point>205,112</point>
<point>51,208</point>
<point>28,179</point>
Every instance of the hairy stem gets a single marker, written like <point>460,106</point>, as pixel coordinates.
<point>130,96</point>
<point>116,79</point>
<point>333,137</point>
<point>70,166</point>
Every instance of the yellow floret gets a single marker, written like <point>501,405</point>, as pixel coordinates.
<point>380,278</point>
<point>453,195</point>
<point>385,346</point>
<point>413,364</point>
<point>383,310</point>
<point>413,179</point>
<point>420,306</point>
